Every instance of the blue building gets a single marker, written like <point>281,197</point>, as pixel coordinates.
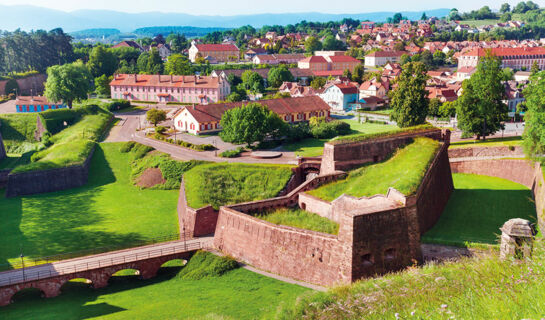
<point>36,104</point>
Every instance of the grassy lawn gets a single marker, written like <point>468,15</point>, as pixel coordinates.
<point>385,112</point>
<point>493,142</point>
<point>403,171</point>
<point>220,184</point>
<point>14,159</point>
<point>237,294</point>
<point>18,132</point>
<point>472,288</point>
<point>479,206</point>
<point>313,147</point>
<point>300,219</point>
<point>108,211</point>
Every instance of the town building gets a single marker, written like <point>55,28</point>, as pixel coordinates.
<point>199,119</point>
<point>329,60</point>
<point>220,52</point>
<point>374,88</point>
<point>36,104</point>
<point>514,58</point>
<point>129,44</point>
<point>287,58</point>
<point>380,58</point>
<point>339,96</point>
<point>169,88</point>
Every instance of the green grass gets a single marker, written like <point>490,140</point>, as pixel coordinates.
<point>403,171</point>
<point>13,160</point>
<point>220,184</point>
<point>206,265</point>
<point>108,211</point>
<point>237,294</point>
<point>478,23</point>
<point>18,132</point>
<point>374,135</point>
<point>493,142</point>
<point>313,147</point>
<point>384,112</point>
<point>300,219</point>
<point>479,206</point>
<point>472,288</point>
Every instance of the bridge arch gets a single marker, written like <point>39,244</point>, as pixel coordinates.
<point>75,283</point>
<point>26,293</point>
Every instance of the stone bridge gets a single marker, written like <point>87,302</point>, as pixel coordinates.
<point>49,278</point>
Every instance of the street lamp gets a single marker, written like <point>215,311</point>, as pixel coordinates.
<point>183,230</point>
<point>23,263</point>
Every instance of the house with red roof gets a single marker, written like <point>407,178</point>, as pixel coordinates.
<point>313,63</point>
<point>170,88</point>
<point>198,119</point>
<point>514,58</point>
<point>219,52</point>
<point>380,58</point>
<point>129,44</point>
<point>339,96</point>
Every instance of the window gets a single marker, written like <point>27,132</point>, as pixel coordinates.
<point>390,254</point>
<point>367,260</point>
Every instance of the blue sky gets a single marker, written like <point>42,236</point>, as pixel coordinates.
<point>233,7</point>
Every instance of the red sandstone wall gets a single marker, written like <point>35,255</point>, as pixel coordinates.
<point>519,171</point>
<point>318,206</point>
<point>300,254</point>
<point>485,152</point>
<point>196,222</point>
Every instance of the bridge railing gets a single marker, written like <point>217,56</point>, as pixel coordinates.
<point>31,275</point>
<point>29,261</point>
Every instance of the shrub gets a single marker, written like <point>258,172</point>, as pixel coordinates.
<point>326,130</point>
<point>140,150</point>
<point>117,105</point>
<point>127,146</point>
<point>205,265</point>
<point>160,129</point>
<point>297,132</point>
<point>232,153</point>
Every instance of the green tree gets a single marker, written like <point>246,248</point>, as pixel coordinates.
<point>142,62</point>
<point>102,61</point>
<point>435,105</point>
<point>330,43</point>
<point>409,100</point>
<point>249,123</point>
<point>448,109</point>
<point>480,108</point>
<point>68,83</point>
<point>155,63</point>
<point>405,58</point>
<point>506,17</point>
<point>505,8</point>
<point>155,116</point>
<point>102,85</point>
<point>507,74</point>
<point>252,81</point>
<point>439,58</point>
<point>358,73</point>
<point>178,64</point>
<point>535,68</point>
<point>178,42</point>
<point>279,74</point>
<point>318,82</point>
<point>534,130</point>
<point>312,44</point>
<point>424,16</point>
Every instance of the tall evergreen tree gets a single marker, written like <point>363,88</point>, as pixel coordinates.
<point>410,99</point>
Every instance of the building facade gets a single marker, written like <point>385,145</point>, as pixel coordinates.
<point>169,88</point>
<point>380,58</point>
<point>220,52</point>
<point>36,104</point>
<point>514,58</point>
<point>339,96</point>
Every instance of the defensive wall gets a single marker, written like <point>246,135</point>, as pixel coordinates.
<point>497,151</point>
<point>33,84</point>
<point>376,235</point>
<point>40,181</point>
<point>520,171</point>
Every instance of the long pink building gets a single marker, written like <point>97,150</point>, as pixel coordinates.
<point>169,88</point>
<point>514,58</point>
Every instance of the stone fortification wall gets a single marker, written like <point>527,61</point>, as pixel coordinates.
<point>346,156</point>
<point>520,171</point>
<point>30,85</point>
<point>505,151</point>
<point>32,182</point>
<point>196,222</point>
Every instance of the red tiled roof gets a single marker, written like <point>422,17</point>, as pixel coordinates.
<point>144,80</point>
<point>216,47</point>
<point>504,52</point>
<point>213,112</point>
<point>314,59</point>
<point>383,54</point>
<point>33,100</point>
<point>128,43</point>
<point>347,88</point>
<point>343,59</point>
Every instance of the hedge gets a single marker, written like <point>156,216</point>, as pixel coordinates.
<point>367,136</point>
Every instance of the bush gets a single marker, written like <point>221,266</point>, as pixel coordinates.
<point>160,129</point>
<point>297,132</point>
<point>127,146</point>
<point>327,130</point>
<point>232,153</point>
<point>205,265</point>
<point>117,105</point>
<point>140,150</point>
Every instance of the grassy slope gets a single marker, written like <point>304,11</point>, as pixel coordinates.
<point>18,132</point>
<point>108,211</point>
<point>403,171</point>
<point>493,142</point>
<point>238,294</point>
<point>300,219</point>
<point>478,288</point>
<point>479,206</point>
<point>313,147</point>
<point>227,183</point>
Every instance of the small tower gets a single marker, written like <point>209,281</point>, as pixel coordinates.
<point>517,237</point>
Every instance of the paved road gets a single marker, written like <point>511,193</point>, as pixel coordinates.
<point>102,260</point>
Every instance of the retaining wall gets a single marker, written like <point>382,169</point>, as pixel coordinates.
<point>33,182</point>
<point>198,222</point>
<point>346,156</point>
<point>486,152</point>
<point>34,83</point>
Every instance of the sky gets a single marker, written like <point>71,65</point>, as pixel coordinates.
<point>236,7</point>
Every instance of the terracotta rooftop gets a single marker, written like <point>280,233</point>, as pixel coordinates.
<point>144,80</point>
<point>216,47</point>
<point>33,100</point>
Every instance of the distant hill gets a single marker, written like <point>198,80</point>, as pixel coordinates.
<point>94,33</point>
<point>28,17</point>
<point>187,31</point>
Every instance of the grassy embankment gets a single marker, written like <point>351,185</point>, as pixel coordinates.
<point>478,207</point>
<point>313,147</point>
<point>109,211</point>
<point>403,171</point>
<point>220,184</point>
<point>208,287</point>
<point>300,219</point>
<point>492,142</point>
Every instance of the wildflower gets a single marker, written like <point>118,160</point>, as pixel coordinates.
<point>444,306</point>
<point>396,315</point>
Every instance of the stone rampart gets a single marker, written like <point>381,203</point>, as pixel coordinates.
<point>346,156</point>
<point>2,147</point>
<point>196,222</point>
<point>468,152</point>
<point>32,182</point>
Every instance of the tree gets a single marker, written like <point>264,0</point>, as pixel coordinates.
<point>535,68</point>
<point>249,123</point>
<point>506,17</point>
<point>399,46</point>
<point>410,99</point>
<point>318,82</point>
<point>330,43</point>
<point>405,58</point>
<point>252,81</point>
<point>142,62</point>
<point>447,109</point>
<point>279,74</point>
<point>358,73</point>
<point>424,16</point>
<point>439,58</point>
<point>102,61</point>
<point>178,42</point>
<point>68,83</point>
<point>505,8</point>
<point>102,85</point>
<point>435,105</point>
<point>312,44</point>
<point>155,63</point>
<point>507,74</point>
<point>480,108</point>
<point>534,131</point>
<point>155,116</point>
<point>178,64</point>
